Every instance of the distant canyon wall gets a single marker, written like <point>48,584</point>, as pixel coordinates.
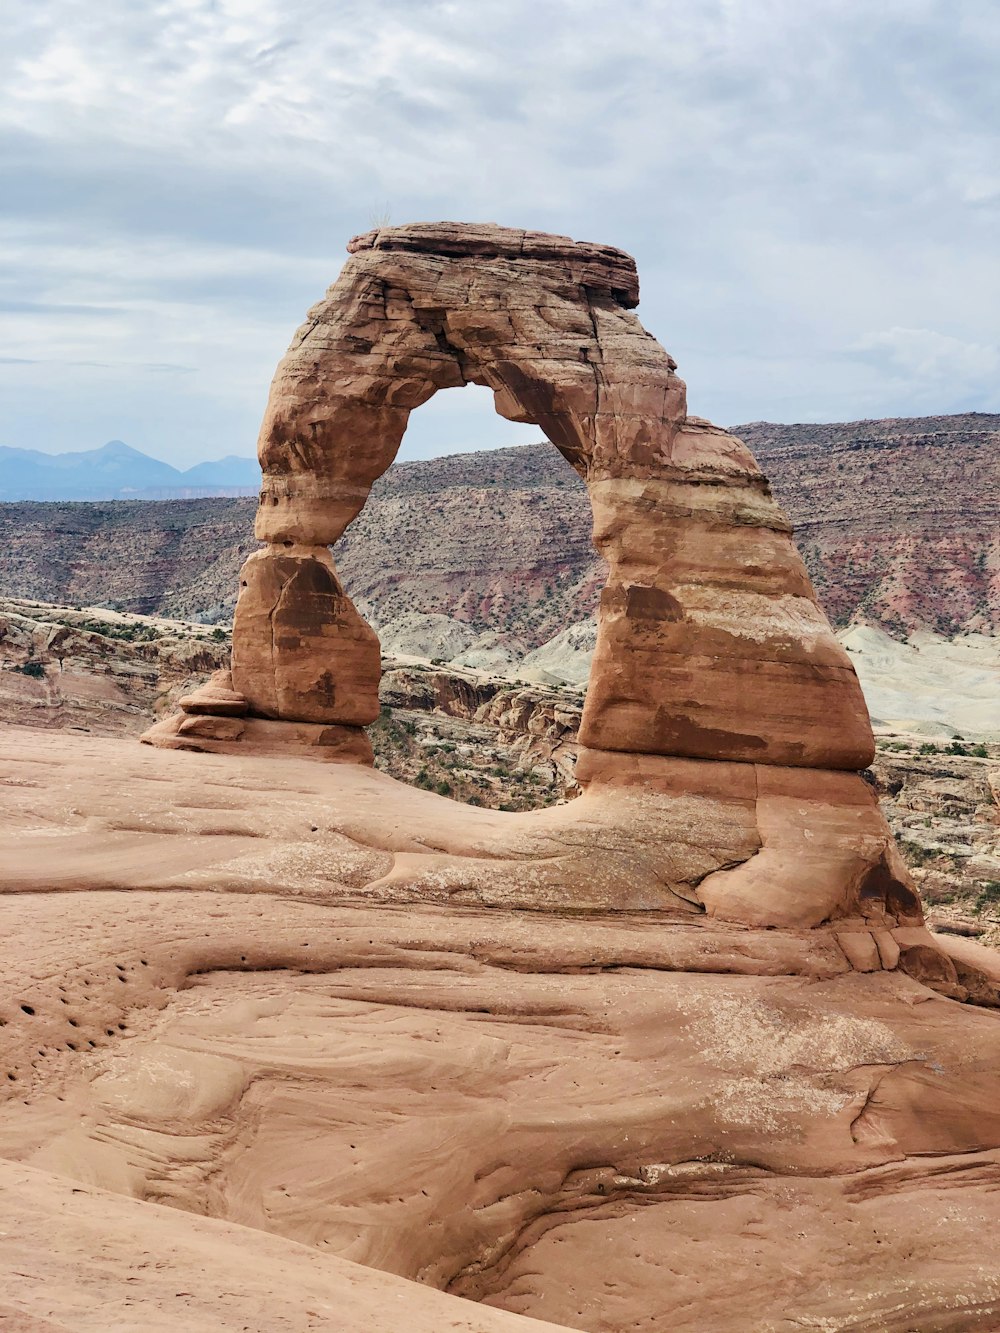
<point>898,522</point>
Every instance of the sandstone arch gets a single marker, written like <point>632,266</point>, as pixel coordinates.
<point>273,1031</point>
<point>718,691</point>
<point>711,644</point>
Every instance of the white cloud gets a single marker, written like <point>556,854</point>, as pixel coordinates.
<point>789,176</point>
<point>926,356</point>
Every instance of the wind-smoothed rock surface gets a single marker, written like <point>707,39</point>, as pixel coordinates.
<point>303,1006</point>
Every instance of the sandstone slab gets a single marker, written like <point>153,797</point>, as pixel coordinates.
<point>374,1059</point>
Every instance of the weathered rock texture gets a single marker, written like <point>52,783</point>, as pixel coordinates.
<point>710,642</point>
<point>98,670</point>
<point>340,1025</point>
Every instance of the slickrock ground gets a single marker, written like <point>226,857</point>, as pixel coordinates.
<point>220,994</point>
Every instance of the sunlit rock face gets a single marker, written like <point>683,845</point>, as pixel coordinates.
<point>710,646</point>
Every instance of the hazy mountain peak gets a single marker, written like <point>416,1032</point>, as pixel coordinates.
<point>116,471</point>
<point>119,449</point>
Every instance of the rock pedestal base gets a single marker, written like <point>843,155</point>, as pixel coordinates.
<point>214,719</point>
<point>259,736</point>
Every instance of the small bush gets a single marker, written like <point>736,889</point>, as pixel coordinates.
<point>915,854</point>
<point>35,670</point>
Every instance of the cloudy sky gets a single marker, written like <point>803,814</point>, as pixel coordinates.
<point>811,189</point>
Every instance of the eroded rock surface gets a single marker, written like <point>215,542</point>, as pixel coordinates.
<point>308,1003</point>
<point>676,1050</point>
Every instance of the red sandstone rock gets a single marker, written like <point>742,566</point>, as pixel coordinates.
<point>681,1028</point>
<point>216,697</point>
<point>710,641</point>
<point>300,650</point>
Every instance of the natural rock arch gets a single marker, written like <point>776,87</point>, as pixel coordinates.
<point>710,641</point>
<point>718,693</point>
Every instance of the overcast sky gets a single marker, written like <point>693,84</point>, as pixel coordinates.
<point>811,189</point>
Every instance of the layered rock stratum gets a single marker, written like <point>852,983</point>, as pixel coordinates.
<point>679,1053</point>
<point>897,522</point>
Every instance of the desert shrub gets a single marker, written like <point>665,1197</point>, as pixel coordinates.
<point>34,669</point>
<point>915,854</point>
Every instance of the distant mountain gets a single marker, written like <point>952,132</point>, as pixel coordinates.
<point>116,471</point>
<point>229,471</point>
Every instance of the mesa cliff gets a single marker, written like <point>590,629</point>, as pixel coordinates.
<point>676,1050</point>
<point>898,523</point>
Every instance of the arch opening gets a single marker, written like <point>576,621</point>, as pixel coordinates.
<point>499,562</point>
<point>460,422</point>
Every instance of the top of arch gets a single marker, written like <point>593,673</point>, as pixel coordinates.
<point>600,267</point>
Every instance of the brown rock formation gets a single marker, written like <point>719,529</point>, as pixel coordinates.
<point>710,645</point>
<point>710,642</point>
<point>629,1062</point>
